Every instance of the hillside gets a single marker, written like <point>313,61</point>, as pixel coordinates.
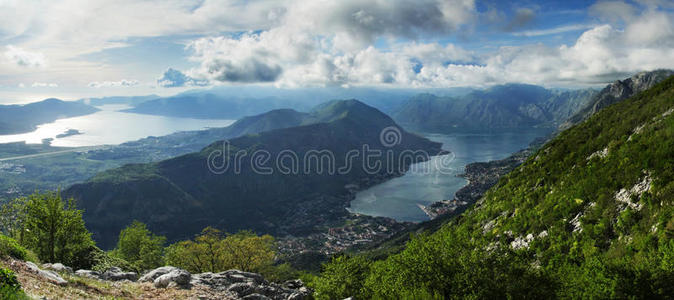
<point>500,107</point>
<point>616,92</point>
<point>180,196</point>
<point>589,215</point>
<point>25,118</point>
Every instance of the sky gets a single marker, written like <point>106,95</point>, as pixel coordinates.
<point>74,49</point>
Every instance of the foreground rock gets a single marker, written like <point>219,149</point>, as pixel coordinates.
<point>176,278</point>
<point>58,267</point>
<point>50,276</point>
<point>111,274</point>
<point>245,285</point>
<point>248,285</point>
<point>88,274</point>
<point>116,274</point>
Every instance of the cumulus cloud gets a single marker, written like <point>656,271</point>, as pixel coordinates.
<point>329,43</point>
<point>175,78</point>
<point>121,83</point>
<point>44,84</point>
<point>614,11</point>
<point>333,46</point>
<point>23,58</point>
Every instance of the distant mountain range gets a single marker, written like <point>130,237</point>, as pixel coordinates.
<point>128,100</point>
<point>234,103</point>
<point>25,118</point>
<point>500,107</point>
<point>180,196</point>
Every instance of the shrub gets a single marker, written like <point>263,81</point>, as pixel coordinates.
<point>9,247</point>
<point>140,247</point>
<point>10,288</point>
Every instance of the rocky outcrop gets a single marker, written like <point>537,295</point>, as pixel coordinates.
<point>58,267</point>
<point>116,274</point>
<point>156,273</point>
<point>47,275</point>
<point>176,278</point>
<point>248,285</point>
<point>244,285</point>
<point>88,274</point>
<point>618,91</point>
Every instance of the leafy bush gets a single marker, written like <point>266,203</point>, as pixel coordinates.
<point>140,247</point>
<point>10,288</point>
<point>212,251</point>
<point>9,247</point>
<point>50,226</point>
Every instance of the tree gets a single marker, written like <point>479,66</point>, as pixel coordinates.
<point>140,247</point>
<point>50,226</point>
<point>211,251</point>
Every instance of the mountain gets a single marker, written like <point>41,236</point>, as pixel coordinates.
<point>128,100</point>
<point>236,102</point>
<point>178,197</point>
<point>25,118</point>
<point>499,107</point>
<point>618,91</point>
<point>588,215</point>
<point>214,106</point>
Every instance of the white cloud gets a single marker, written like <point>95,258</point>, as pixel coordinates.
<point>21,85</point>
<point>175,78</point>
<point>121,83</point>
<point>23,58</point>
<point>329,43</point>
<point>332,53</point>
<point>44,84</point>
<point>614,11</point>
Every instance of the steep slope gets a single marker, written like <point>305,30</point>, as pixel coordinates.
<point>25,118</point>
<point>589,215</point>
<point>505,106</point>
<point>180,196</point>
<point>618,91</point>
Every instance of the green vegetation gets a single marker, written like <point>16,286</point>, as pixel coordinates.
<point>589,215</point>
<point>212,251</point>
<point>50,226</point>
<point>10,288</point>
<point>140,247</point>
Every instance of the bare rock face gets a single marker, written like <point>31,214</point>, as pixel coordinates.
<point>154,274</point>
<point>116,274</point>
<point>244,285</point>
<point>618,91</point>
<point>88,273</point>
<point>176,278</point>
<point>58,267</point>
<point>50,276</point>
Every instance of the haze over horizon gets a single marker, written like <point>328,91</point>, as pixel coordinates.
<point>77,49</point>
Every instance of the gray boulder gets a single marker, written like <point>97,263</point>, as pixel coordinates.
<point>88,274</point>
<point>175,278</point>
<point>50,276</point>
<point>116,274</point>
<point>153,274</point>
<point>58,267</point>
